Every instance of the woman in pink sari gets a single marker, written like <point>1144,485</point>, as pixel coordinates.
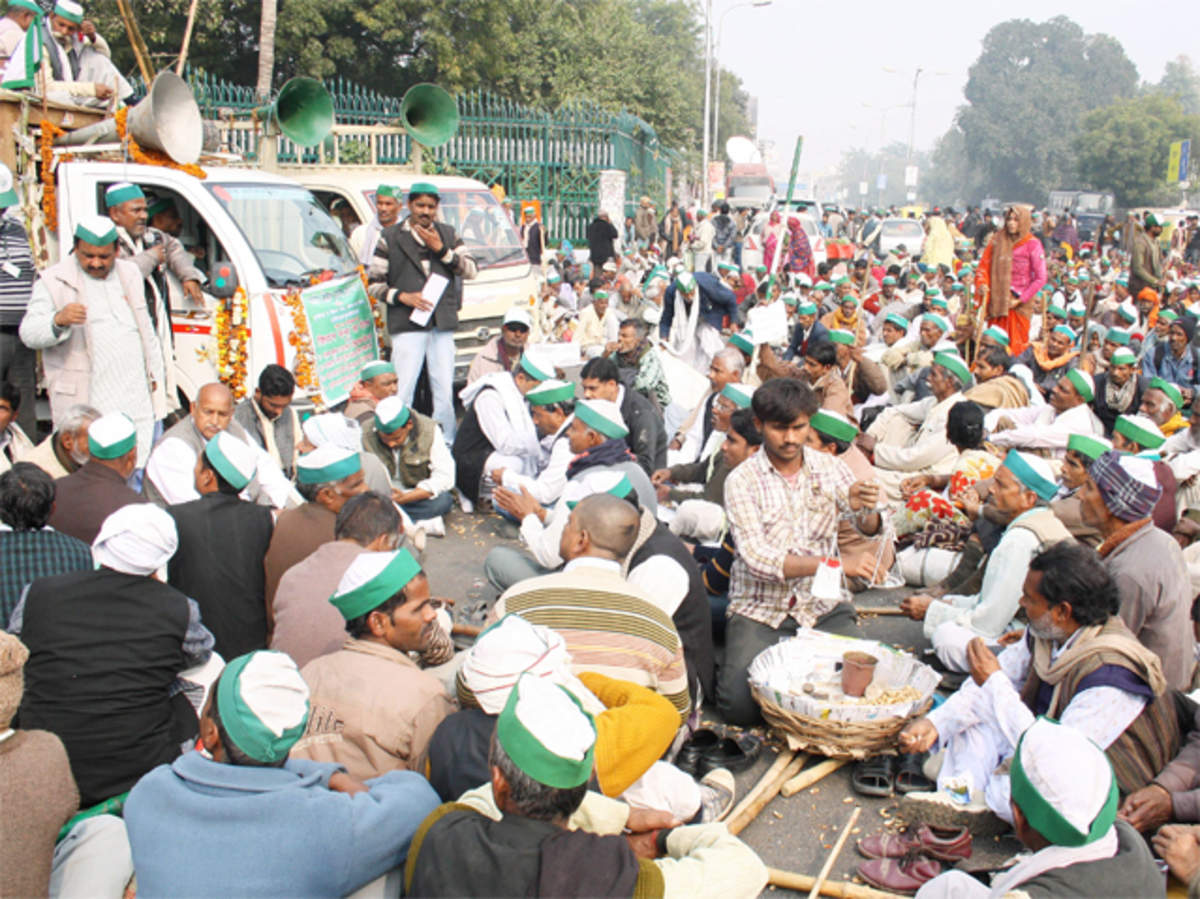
<point>771,235</point>
<point>800,257</point>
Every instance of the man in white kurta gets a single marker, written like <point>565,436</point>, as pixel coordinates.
<point>88,316</point>
<point>498,400</point>
<point>911,438</point>
<point>1048,427</point>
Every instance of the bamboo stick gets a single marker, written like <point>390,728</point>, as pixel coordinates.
<point>881,610</point>
<point>187,38</point>
<point>806,779</point>
<point>834,853</point>
<point>765,790</point>
<point>838,890</point>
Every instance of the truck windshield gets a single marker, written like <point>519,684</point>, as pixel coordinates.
<point>484,226</point>
<point>290,232</point>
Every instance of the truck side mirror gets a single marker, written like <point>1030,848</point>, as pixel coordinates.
<point>224,281</point>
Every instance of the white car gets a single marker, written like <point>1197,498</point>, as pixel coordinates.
<point>752,249</point>
<point>894,232</point>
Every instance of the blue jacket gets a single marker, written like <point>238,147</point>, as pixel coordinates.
<point>202,827</point>
<point>801,341</point>
<point>716,302</point>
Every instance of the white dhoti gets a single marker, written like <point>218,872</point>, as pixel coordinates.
<point>699,520</point>
<point>973,756</point>
<point>926,567</point>
<point>665,788</point>
<point>950,641</point>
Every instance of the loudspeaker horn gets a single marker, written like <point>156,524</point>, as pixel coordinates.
<point>429,114</point>
<point>303,112</point>
<point>167,120</point>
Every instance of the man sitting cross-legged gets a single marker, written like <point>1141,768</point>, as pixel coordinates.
<point>1077,663</point>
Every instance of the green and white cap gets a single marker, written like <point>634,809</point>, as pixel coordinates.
<point>790,299</point>
<point>822,285</point>
<point>842,336</point>
<point>547,734</point>
<point>744,341</point>
<point>1172,392</point>
<point>111,436</point>
<point>1077,310</point>
<point>122,192</point>
<point>69,10</point>
<point>808,307</point>
<point>727,267</point>
<point>371,580</point>
<point>898,320</point>
<point>932,292</point>
<point>1141,430</point>
<point>1032,472</point>
<point>834,424</point>
<point>391,414</point>
<point>939,302</point>
<point>263,702</point>
<point>98,230</point>
<point>614,483</point>
<point>550,392</point>
<point>235,460</point>
<point>602,416</point>
<point>600,294</point>
<point>1065,331</point>
<point>1122,356</point>
<point>326,464</point>
<point>935,319</point>
<point>423,187</point>
<point>738,393</point>
<point>28,5</point>
<point>685,281</point>
<point>536,366</point>
<point>1056,311</point>
<point>387,190</point>
<point>1127,311</point>
<point>1063,784</point>
<point>850,298</point>
<point>374,369</point>
<point>954,364</point>
<point>1169,315</point>
<point>889,281</point>
<point>1119,336</point>
<point>553,277</point>
<point>1089,446</point>
<point>1083,384</point>
<point>998,334</point>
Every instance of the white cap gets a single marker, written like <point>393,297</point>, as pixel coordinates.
<point>235,460</point>
<point>136,539</point>
<point>518,315</point>
<point>333,429</point>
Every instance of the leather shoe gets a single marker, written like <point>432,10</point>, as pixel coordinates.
<point>732,753</point>
<point>694,747</point>
<point>900,875</point>
<point>944,844</point>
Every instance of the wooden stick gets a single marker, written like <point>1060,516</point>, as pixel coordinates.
<point>765,790</point>
<point>802,882</point>
<point>187,38</point>
<point>781,761</point>
<point>140,53</point>
<point>806,779</point>
<point>834,853</point>
<point>465,630</point>
<point>881,610</point>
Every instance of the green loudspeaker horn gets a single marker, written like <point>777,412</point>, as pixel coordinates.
<point>430,114</point>
<point>303,112</point>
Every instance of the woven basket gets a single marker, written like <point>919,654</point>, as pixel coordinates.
<point>836,739</point>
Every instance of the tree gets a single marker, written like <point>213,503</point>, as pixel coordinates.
<point>1026,96</point>
<point>266,50</point>
<point>1124,147</point>
<point>1181,81</point>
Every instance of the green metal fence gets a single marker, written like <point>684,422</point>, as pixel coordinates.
<point>555,157</point>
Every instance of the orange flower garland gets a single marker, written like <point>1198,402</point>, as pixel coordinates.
<point>49,196</point>
<point>304,367</point>
<point>146,156</point>
<point>376,314</point>
<point>233,341</point>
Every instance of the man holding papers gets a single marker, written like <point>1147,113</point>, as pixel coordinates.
<point>418,269</point>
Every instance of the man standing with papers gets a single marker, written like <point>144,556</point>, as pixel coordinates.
<point>418,269</point>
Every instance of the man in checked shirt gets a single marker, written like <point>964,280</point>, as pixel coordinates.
<point>783,505</point>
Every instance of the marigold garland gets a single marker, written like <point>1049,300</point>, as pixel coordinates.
<point>376,314</point>
<point>50,131</point>
<point>146,156</point>
<point>231,325</point>
<point>304,368</point>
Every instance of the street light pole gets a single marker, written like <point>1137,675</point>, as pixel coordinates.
<point>912,114</point>
<point>716,126</point>
<point>707,100</point>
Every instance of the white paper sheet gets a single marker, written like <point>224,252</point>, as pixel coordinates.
<point>434,287</point>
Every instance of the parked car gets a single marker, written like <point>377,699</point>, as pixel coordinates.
<point>896,232</point>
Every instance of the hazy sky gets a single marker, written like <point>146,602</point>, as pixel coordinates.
<point>813,63</point>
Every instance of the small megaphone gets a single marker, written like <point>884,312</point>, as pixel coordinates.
<point>303,112</point>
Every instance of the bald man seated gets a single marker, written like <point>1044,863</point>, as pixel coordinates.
<point>170,472</point>
<point>604,625</point>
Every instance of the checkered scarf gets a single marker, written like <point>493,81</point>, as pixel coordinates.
<point>1124,495</point>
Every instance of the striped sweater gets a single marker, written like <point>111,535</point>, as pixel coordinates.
<point>609,625</point>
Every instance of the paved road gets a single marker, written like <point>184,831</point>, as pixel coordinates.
<point>793,834</point>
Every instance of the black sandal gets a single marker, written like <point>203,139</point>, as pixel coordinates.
<point>910,774</point>
<point>875,776</point>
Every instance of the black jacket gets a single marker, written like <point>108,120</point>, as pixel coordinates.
<point>647,436</point>
<point>405,273</point>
